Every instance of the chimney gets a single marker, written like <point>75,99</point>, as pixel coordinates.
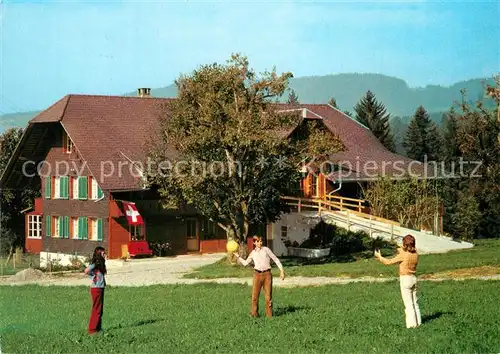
<point>144,92</point>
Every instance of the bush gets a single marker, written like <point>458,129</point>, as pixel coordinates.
<point>160,248</point>
<point>342,242</point>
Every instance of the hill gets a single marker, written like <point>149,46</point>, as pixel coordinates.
<point>400,99</point>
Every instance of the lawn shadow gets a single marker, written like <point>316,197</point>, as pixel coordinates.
<point>434,316</point>
<point>137,323</point>
<point>282,311</point>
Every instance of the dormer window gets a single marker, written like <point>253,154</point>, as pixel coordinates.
<point>67,144</point>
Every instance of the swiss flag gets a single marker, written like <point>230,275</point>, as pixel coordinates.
<point>133,216</point>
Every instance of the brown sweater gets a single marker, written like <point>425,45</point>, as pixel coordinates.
<point>407,262</point>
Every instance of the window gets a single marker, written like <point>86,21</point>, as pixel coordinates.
<point>209,230</point>
<point>57,226</point>
<point>34,226</point>
<point>95,226</point>
<point>95,190</point>
<point>191,228</point>
<point>61,187</point>
<point>284,232</point>
<point>74,226</point>
<point>314,185</point>
<point>69,145</point>
<point>74,182</point>
<point>136,232</point>
<point>57,188</point>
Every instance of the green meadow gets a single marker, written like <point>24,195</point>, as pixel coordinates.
<point>458,317</point>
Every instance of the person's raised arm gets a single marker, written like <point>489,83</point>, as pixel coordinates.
<point>243,261</point>
<point>90,269</point>
<point>388,261</point>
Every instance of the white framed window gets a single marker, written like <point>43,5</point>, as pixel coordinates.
<point>69,145</point>
<point>55,222</point>
<point>34,226</point>
<point>136,232</point>
<point>93,229</point>
<point>75,188</point>
<point>57,187</point>
<point>94,189</point>
<point>74,227</point>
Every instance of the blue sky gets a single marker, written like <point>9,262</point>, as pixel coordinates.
<point>50,49</point>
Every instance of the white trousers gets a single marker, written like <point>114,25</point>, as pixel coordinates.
<point>409,294</point>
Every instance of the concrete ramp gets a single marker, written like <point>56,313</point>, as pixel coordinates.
<point>426,243</point>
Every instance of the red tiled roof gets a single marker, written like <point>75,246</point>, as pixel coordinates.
<point>108,130</point>
<point>118,129</point>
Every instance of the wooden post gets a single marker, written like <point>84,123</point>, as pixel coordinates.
<point>299,205</point>
<point>371,226</point>
<point>348,221</point>
<point>392,232</point>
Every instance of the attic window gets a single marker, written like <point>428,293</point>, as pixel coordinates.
<point>68,144</point>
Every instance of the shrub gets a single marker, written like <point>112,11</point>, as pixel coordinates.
<point>343,242</point>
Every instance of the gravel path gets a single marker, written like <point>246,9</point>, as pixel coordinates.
<point>143,272</point>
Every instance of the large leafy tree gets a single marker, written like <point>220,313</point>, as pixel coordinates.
<point>373,114</point>
<point>477,135</point>
<point>12,201</point>
<point>227,148</point>
<point>423,138</point>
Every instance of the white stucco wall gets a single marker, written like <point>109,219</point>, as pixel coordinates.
<point>63,259</point>
<point>298,229</point>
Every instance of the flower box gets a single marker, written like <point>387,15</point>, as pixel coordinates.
<point>308,252</point>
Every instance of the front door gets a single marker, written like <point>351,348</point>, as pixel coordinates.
<point>193,241</point>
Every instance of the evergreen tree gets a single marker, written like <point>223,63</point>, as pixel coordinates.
<point>293,99</point>
<point>373,115</point>
<point>423,137</point>
<point>333,103</point>
<point>348,113</point>
<point>451,148</point>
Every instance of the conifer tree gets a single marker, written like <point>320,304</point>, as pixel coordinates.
<point>293,99</point>
<point>423,137</point>
<point>373,115</point>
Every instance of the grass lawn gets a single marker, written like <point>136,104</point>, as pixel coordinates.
<point>484,253</point>
<point>458,316</point>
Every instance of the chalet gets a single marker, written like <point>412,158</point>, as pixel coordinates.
<point>82,153</point>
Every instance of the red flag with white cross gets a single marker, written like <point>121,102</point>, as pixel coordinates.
<point>133,216</point>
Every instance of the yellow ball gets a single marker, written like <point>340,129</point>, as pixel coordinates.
<point>232,246</point>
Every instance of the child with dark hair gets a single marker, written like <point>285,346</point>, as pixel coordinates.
<point>96,271</point>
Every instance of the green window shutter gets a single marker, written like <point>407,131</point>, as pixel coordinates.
<point>48,184</point>
<point>80,231</point>
<point>99,229</point>
<point>85,228</point>
<point>64,187</point>
<point>82,187</point>
<point>47,225</point>
<point>61,226</point>
<point>66,226</point>
<point>100,193</point>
